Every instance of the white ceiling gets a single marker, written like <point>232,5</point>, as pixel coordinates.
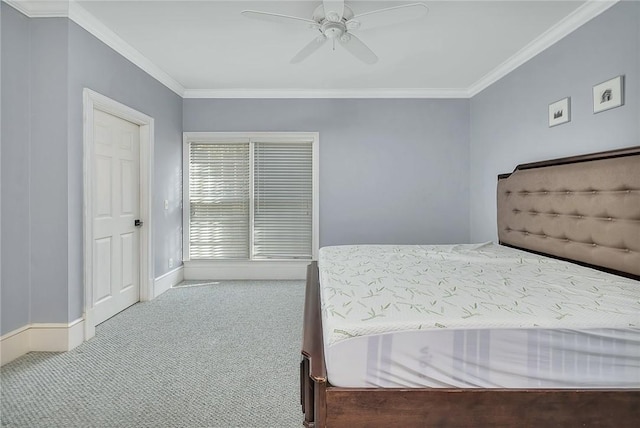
<point>207,48</point>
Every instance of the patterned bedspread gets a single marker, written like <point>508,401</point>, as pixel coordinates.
<point>372,289</point>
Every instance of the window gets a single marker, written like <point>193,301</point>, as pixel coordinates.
<point>250,196</point>
<point>219,201</point>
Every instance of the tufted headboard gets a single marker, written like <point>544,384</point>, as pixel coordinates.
<point>584,209</point>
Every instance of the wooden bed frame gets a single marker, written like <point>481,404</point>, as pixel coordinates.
<point>325,405</point>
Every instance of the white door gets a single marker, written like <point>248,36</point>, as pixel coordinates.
<point>116,206</point>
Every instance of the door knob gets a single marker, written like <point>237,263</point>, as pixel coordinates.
<point>137,223</point>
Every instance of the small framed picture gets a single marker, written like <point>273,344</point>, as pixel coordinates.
<point>560,112</point>
<point>608,95</point>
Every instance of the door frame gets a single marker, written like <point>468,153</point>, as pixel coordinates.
<point>94,101</point>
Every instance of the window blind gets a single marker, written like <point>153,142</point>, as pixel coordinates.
<point>283,192</point>
<point>219,201</point>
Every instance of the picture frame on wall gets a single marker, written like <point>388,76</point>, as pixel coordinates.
<point>608,95</point>
<point>560,112</point>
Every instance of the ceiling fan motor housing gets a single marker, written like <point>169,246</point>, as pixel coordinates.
<point>319,14</point>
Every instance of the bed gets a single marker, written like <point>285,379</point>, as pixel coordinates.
<point>567,265</point>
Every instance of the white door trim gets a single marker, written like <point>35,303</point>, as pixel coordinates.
<point>93,100</point>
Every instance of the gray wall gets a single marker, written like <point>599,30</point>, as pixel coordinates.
<point>46,63</point>
<point>48,170</point>
<point>94,65</point>
<point>509,119</point>
<point>14,292</point>
<point>391,171</point>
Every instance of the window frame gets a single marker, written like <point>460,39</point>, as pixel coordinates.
<point>248,138</point>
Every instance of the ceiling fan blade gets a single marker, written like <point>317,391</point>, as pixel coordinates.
<point>333,9</point>
<point>388,16</point>
<point>310,48</point>
<point>276,17</point>
<point>358,49</point>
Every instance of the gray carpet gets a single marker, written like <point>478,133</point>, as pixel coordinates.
<point>216,355</point>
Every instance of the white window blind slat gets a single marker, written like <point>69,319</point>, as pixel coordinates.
<point>282,225</point>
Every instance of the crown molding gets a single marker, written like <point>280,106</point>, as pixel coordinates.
<point>41,8</point>
<point>326,93</point>
<point>72,10</point>
<point>80,16</point>
<point>570,23</point>
<point>75,12</point>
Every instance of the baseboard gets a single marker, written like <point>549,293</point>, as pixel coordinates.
<point>168,280</point>
<point>39,337</point>
<point>245,270</point>
<point>56,337</point>
<point>14,344</point>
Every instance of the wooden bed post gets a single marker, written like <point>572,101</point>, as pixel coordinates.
<point>313,375</point>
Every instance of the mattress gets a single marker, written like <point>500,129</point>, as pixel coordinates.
<point>476,315</point>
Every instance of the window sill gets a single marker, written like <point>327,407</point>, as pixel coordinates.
<point>245,269</point>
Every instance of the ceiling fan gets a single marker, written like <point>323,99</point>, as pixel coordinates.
<point>335,21</point>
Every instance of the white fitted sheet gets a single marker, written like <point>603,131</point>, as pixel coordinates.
<point>478,315</point>
<point>486,358</point>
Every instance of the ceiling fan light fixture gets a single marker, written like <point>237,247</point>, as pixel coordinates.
<point>333,30</point>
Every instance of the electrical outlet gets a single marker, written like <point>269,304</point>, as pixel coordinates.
<point>170,263</point>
